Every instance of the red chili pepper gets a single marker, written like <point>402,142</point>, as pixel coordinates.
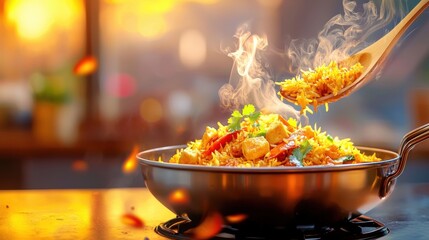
<point>285,122</point>
<point>282,149</point>
<point>220,142</point>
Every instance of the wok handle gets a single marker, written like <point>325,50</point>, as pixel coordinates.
<point>407,144</point>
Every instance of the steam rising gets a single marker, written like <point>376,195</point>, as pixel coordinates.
<point>249,81</point>
<point>342,35</point>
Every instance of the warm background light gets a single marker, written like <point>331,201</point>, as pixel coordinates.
<point>80,165</point>
<point>150,19</point>
<point>151,110</point>
<point>31,19</point>
<point>40,36</point>
<point>34,19</point>
<point>180,105</point>
<point>152,27</point>
<point>192,48</point>
<point>97,77</point>
<point>121,85</point>
<point>154,7</point>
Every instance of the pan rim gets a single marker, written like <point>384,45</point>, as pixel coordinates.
<point>322,168</point>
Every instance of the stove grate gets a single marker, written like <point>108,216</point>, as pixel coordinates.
<point>362,228</point>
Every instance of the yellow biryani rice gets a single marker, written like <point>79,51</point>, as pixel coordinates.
<point>268,140</point>
<point>322,81</point>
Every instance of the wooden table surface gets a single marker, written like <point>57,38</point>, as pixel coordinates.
<point>99,213</point>
<point>79,214</point>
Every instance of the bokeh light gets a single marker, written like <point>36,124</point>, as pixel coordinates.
<point>121,85</point>
<point>179,105</point>
<point>203,1</point>
<point>79,165</point>
<point>150,19</point>
<point>151,110</point>
<point>153,7</point>
<point>33,19</point>
<point>158,26</point>
<point>114,1</point>
<point>192,48</point>
<point>270,3</point>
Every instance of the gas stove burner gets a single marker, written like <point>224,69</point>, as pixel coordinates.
<point>361,227</point>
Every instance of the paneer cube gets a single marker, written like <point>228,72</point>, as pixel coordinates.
<point>276,132</point>
<point>188,156</point>
<point>254,148</point>
<point>208,135</point>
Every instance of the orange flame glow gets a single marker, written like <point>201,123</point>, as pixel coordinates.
<point>79,165</point>
<point>211,225</point>
<point>86,66</point>
<point>179,196</point>
<point>236,218</point>
<point>130,164</point>
<point>132,220</point>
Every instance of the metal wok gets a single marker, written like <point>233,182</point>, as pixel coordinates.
<point>276,196</point>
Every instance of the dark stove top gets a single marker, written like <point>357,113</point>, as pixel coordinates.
<point>361,227</point>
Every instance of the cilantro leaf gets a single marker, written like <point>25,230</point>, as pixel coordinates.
<point>261,132</point>
<point>254,116</point>
<point>236,114</point>
<point>250,112</point>
<point>248,109</point>
<point>345,159</point>
<point>298,154</point>
<point>234,121</point>
<point>236,118</point>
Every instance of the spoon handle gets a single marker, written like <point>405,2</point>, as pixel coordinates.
<point>374,56</point>
<point>389,40</point>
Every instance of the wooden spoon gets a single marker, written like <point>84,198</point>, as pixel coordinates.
<point>373,56</point>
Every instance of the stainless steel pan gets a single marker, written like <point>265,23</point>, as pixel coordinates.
<point>276,196</point>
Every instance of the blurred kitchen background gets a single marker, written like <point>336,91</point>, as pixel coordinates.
<point>85,85</point>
